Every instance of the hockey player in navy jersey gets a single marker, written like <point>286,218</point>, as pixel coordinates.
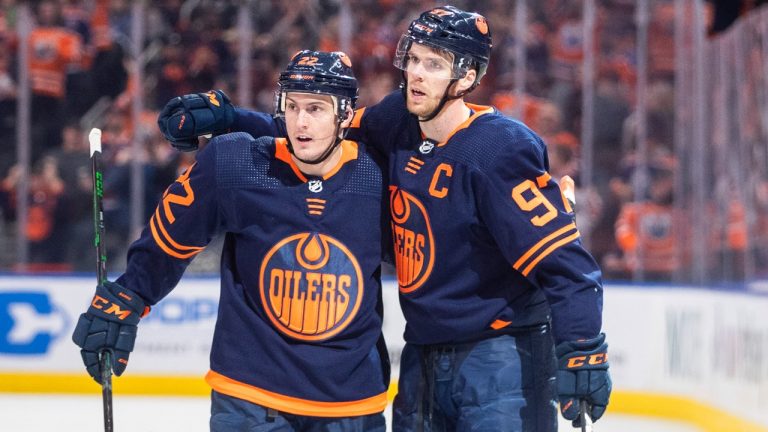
<point>499,295</point>
<point>298,343</point>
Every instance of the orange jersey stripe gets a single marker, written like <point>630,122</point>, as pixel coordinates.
<point>348,153</point>
<point>541,243</point>
<point>549,250</point>
<point>165,248</point>
<point>282,153</point>
<point>159,222</point>
<point>357,118</point>
<point>479,110</point>
<point>228,386</point>
<point>543,179</point>
<point>159,241</point>
<point>499,324</point>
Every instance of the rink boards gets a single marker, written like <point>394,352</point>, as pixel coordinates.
<point>693,355</point>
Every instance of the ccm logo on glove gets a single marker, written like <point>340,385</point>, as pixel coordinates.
<point>212,98</point>
<point>100,303</point>
<point>594,359</point>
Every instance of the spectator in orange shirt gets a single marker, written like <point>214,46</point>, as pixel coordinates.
<point>45,190</point>
<point>651,232</point>
<point>54,51</point>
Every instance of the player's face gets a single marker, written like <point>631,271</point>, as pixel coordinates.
<point>311,123</point>
<point>428,74</point>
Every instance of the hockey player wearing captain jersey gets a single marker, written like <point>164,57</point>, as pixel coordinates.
<point>298,343</point>
<point>503,304</point>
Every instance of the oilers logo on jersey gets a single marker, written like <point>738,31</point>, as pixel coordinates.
<point>311,286</point>
<point>413,240</point>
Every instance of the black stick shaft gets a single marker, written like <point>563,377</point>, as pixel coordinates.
<point>101,268</point>
<point>586,421</point>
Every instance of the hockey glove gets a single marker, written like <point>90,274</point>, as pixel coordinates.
<point>109,324</point>
<point>583,375</point>
<point>183,119</point>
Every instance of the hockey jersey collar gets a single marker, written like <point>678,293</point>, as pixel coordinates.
<point>349,152</point>
<point>477,110</point>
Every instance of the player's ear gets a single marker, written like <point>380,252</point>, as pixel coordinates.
<point>466,81</point>
<point>350,115</point>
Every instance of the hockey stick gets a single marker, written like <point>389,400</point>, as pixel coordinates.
<point>105,360</point>
<point>568,186</point>
<point>586,420</point>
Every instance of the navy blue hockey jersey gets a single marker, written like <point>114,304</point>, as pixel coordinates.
<point>299,320</point>
<point>484,241</point>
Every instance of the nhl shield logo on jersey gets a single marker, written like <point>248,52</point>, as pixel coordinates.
<point>413,240</point>
<point>315,186</point>
<point>311,286</point>
<point>426,146</point>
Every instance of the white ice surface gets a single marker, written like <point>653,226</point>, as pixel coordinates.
<point>33,413</point>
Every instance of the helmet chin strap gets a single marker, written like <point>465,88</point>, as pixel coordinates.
<point>328,151</point>
<point>446,97</point>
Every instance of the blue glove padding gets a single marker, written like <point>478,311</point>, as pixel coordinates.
<point>583,375</point>
<point>109,324</point>
<point>187,117</point>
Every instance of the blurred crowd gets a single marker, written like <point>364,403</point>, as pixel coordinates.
<point>79,55</point>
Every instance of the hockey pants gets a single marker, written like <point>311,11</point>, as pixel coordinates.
<point>229,414</point>
<point>504,383</point>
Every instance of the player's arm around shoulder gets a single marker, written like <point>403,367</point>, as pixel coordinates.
<point>185,118</point>
<point>377,125</point>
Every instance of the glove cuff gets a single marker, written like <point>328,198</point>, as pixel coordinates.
<point>580,345</point>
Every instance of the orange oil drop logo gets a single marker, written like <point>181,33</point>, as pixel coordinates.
<point>311,286</point>
<point>414,244</point>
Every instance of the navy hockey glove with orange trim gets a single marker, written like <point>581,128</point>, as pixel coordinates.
<point>109,324</point>
<point>583,375</point>
<point>184,118</point>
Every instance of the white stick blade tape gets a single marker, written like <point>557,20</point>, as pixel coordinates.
<point>94,138</point>
<point>569,188</point>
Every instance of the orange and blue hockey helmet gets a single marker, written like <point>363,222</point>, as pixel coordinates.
<point>319,72</point>
<point>466,35</point>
